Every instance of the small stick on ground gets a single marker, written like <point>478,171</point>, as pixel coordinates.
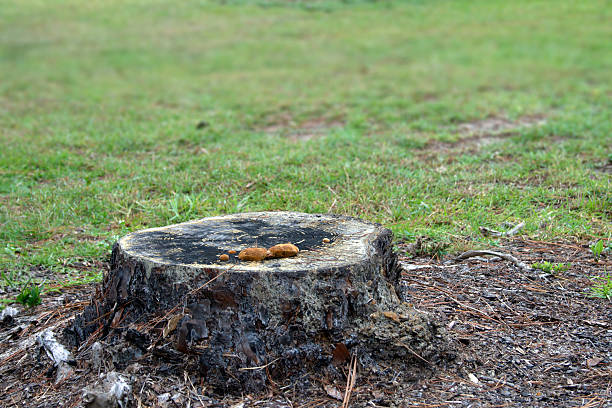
<point>414,353</point>
<point>472,253</point>
<point>498,381</point>
<point>259,367</point>
<point>350,382</point>
<point>509,233</point>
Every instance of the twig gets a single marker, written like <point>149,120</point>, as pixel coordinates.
<point>194,389</point>
<point>333,204</point>
<point>259,367</point>
<point>450,296</point>
<point>10,356</point>
<point>331,207</point>
<point>498,381</point>
<point>472,253</point>
<point>313,404</point>
<point>211,280</point>
<point>414,353</point>
<point>350,382</point>
<point>509,233</point>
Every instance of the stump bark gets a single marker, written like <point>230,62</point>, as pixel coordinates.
<point>242,324</point>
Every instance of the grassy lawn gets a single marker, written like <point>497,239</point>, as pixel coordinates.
<point>357,108</point>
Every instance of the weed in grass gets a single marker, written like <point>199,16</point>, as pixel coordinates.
<point>184,207</point>
<point>11,250</point>
<point>76,277</point>
<point>552,268</point>
<point>6,280</point>
<point>602,287</point>
<point>597,249</point>
<point>30,295</point>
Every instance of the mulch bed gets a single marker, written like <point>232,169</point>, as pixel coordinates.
<point>528,339</point>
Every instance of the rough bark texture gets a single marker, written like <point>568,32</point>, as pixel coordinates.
<point>247,323</point>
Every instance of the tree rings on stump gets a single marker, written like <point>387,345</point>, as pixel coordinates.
<point>242,323</point>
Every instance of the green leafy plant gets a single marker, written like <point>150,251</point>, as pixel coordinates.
<point>552,268</point>
<point>602,287</point>
<point>30,295</point>
<point>597,249</point>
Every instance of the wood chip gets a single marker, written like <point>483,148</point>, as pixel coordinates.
<point>392,315</point>
<point>333,392</point>
<point>473,378</point>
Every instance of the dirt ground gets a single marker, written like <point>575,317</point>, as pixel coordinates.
<point>522,338</point>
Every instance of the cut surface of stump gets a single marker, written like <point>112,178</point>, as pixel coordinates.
<point>243,323</point>
<point>196,245</point>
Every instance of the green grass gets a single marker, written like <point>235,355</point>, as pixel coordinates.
<point>29,295</point>
<point>598,249</point>
<point>99,103</point>
<point>602,287</point>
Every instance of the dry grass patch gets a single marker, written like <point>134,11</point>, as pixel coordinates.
<point>301,131</point>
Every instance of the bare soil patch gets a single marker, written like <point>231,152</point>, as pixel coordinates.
<point>474,136</point>
<point>477,134</point>
<point>521,338</point>
<point>494,125</point>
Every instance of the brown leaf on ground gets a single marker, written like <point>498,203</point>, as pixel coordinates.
<point>340,353</point>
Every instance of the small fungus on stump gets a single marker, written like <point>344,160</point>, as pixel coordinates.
<point>283,251</point>
<point>242,323</point>
<point>253,254</point>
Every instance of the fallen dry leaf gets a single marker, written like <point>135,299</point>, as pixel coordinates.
<point>340,353</point>
<point>171,325</point>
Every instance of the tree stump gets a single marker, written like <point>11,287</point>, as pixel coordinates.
<point>244,323</point>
